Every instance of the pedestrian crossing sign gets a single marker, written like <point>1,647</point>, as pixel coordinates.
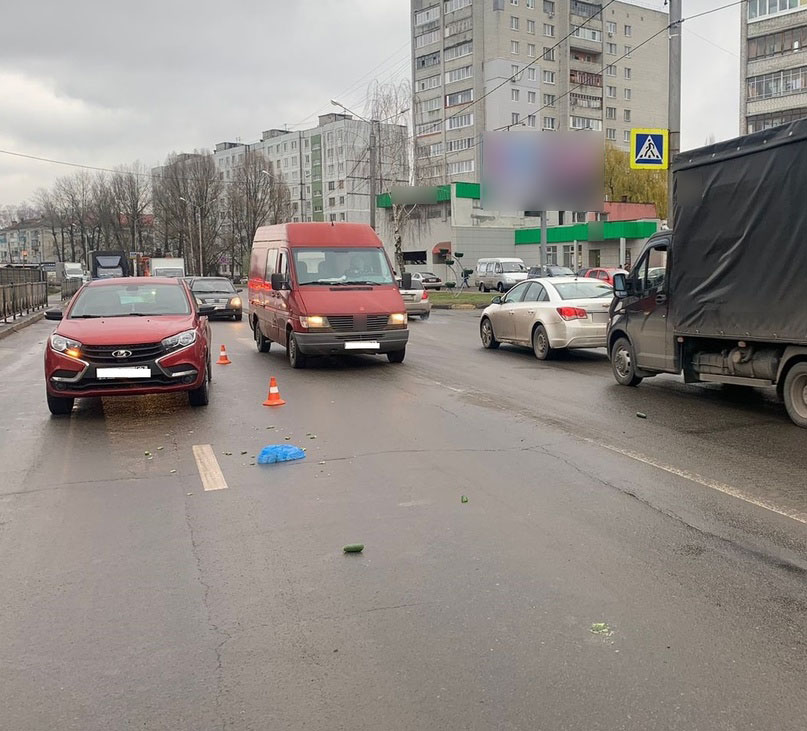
<point>649,149</point>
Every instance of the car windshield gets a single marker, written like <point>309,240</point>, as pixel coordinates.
<point>513,266</point>
<point>428,274</point>
<point>338,266</point>
<point>583,290</point>
<point>561,272</point>
<point>122,300</point>
<point>169,272</point>
<point>212,285</point>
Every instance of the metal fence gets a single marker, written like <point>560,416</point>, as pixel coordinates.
<point>69,288</point>
<point>21,299</point>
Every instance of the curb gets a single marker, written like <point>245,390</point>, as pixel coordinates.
<point>459,307</point>
<point>17,326</point>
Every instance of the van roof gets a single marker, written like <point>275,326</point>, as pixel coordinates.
<point>501,258</point>
<point>319,234</point>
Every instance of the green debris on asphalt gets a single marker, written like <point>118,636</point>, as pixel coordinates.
<point>601,628</point>
<point>354,548</point>
<point>159,449</point>
<point>173,472</point>
<point>244,451</point>
<point>641,415</point>
<point>227,454</point>
<point>464,499</point>
<point>148,454</point>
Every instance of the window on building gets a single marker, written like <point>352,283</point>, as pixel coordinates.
<point>514,118</point>
<point>514,2</point>
<point>341,200</point>
<point>459,97</point>
<point>549,30</point>
<point>628,30</point>
<point>610,27</point>
<point>513,22</point>
<point>549,53</point>
<point>460,167</point>
<point>458,51</point>
<point>294,143</point>
<point>430,82</point>
<point>461,120</point>
<point>431,105</point>
<point>610,134</point>
<point>761,122</point>
<point>427,15</point>
<point>331,185</point>
<point>775,44</point>
<point>777,83</point>
<point>531,50</point>
<point>531,97</point>
<point>514,95</point>
<point>610,70</point>
<point>610,112</point>
<point>449,6</point>
<point>585,123</point>
<point>427,128</point>
<point>466,72</point>
<point>626,136</point>
<point>430,59</point>
<point>531,26</point>
<point>627,94</point>
<point>627,73</point>
<point>464,143</point>
<point>549,100</point>
<point>628,50</point>
<point>532,74</point>
<point>332,202</point>
<point>426,39</point>
<point>515,70</point>
<point>530,4</point>
<point>549,77</point>
<point>626,113</point>
<point>549,6</point>
<point>610,49</point>
<point>588,34</point>
<point>513,46</point>
<point>610,92</point>
<point>549,123</point>
<point>531,120</point>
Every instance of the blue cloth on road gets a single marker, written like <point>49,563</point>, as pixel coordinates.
<point>280,453</point>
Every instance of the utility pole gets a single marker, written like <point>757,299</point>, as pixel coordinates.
<point>544,262</point>
<point>373,169</point>
<point>674,99</point>
<point>201,258</point>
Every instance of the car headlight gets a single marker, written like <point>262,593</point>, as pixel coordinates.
<point>68,346</point>
<point>314,321</point>
<point>235,302</point>
<point>180,340</point>
<point>397,318</point>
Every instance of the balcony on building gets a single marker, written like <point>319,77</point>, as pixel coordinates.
<point>588,80</point>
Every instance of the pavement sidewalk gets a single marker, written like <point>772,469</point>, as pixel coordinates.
<point>22,321</point>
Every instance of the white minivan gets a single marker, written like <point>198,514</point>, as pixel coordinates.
<point>499,273</point>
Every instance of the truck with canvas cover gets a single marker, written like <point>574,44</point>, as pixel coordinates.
<point>720,297</point>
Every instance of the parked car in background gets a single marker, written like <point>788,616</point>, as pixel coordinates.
<point>499,273</point>
<point>218,292</point>
<point>548,314</point>
<point>429,280</point>
<point>549,270</point>
<point>126,337</point>
<point>604,274</point>
<point>416,299</point>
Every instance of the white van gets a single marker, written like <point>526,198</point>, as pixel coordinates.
<point>500,273</point>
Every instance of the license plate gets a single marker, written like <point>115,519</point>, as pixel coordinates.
<point>219,307</point>
<point>362,345</point>
<point>599,317</point>
<point>132,372</point>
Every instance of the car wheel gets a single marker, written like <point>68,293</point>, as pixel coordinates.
<point>623,363</point>
<point>201,396</point>
<point>486,333</point>
<point>60,405</point>
<point>238,316</point>
<point>540,343</point>
<point>425,315</point>
<point>438,288</point>
<point>500,287</point>
<point>396,356</point>
<point>795,394</point>
<point>296,358</point>
<point>262,343</point>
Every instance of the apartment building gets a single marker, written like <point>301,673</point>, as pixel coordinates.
<point>462,50</point>
<point>773,88</point>
<point>27,242</point>
<point>327,168</point>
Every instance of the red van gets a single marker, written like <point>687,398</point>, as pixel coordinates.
<point>324,289</point>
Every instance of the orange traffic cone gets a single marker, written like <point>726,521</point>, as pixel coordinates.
<point>273,399</point>
<point>223,359</point>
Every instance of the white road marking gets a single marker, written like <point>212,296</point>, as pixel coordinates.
<point>208,466</point>
<point>450,388</point>
<point>705,481</point>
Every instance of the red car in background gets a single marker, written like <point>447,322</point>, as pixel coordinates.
<point>128,336</point>
<point>604,274</point>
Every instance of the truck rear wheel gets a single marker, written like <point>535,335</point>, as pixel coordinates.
<point>623,363</point>
<point>795,394</point>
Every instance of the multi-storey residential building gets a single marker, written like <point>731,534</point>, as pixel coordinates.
<point>27,242</point>
<point>327,168</point>
<point>773,88</point>
<point>462,51</point>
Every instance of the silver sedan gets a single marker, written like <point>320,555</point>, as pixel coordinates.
<point>547,314</point>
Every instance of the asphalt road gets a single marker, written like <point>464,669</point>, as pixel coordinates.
<point>132,598</point>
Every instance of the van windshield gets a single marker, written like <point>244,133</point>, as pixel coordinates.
<point>341,265</point>
<point>513,266</point>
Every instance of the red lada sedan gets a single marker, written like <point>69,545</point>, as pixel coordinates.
<point>128,336</point>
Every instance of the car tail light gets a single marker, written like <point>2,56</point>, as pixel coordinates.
<point>425,295</point>
<point>572,313</point>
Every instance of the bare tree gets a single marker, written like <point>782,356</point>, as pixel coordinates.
<point>132,194</point>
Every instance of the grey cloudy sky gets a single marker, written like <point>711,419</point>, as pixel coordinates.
<point>105,82</point>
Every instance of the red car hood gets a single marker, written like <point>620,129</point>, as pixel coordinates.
<point>124,330</point>
<point>337,301</point>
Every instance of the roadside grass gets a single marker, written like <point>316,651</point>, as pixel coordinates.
<point>466,298</point>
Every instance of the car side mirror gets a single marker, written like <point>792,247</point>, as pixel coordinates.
<point>238,291</point>
<point>620,286</point>
<point>279,281</point>
<point>205,310</point>
<point>53,314</point>
<point>496,301</point>
<point>406,280</point>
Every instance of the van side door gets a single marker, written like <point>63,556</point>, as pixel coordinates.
<point>280,299</point>
<point>646,308</point>
<point>265,312</point>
